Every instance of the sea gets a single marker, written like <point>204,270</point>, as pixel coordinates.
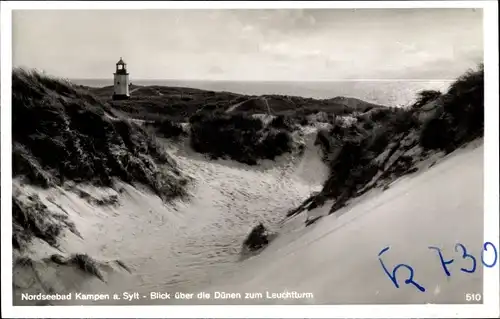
<point>395,93</point>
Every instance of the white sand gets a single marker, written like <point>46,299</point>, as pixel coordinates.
<point>195,245</point>
<point>336,258</point>
<point>182,245</point>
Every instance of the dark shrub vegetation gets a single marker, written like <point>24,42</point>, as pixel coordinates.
<point>351,150</point>
<point>383,143</point>
<point>426,96</point>
<point>168,128</point>
<point>61,133</point>
<point>237,136</point>
<point>257,239</point>
<point>282,122</point>
<point>463,116</point>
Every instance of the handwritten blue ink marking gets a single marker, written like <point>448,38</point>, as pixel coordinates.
<point>443,262</point>
<point>466,255</point>
<point>486,249</point>
<point>393,275</point>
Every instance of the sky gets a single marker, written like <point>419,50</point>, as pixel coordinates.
<point>261,45</point>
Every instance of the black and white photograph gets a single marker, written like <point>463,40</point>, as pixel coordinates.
<point>248,156</point>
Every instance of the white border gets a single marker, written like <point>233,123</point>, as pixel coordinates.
<point>491,292</point>
<point>491,295</point>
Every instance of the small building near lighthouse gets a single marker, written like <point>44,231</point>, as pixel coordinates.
<point>121,81</point>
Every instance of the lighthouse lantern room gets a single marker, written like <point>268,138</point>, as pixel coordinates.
<point>121,81</point>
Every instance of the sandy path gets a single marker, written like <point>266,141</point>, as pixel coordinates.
<point>336,259</point>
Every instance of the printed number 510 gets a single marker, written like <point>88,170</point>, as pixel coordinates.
<point>473,297</point>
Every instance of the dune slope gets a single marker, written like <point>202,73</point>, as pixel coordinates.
<point>337,260</point>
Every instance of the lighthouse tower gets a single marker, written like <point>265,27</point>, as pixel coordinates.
<point>121,82</point>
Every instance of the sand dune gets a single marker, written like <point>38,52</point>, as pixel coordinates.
<point>179,246</point>
<point>336,259</point>
<point>195,245</point>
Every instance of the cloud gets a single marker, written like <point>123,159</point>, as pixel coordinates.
<point>250,44</point>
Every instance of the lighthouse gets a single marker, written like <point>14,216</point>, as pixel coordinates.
<point>121,81</point>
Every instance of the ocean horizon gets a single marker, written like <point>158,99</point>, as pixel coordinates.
<point>385,92</point>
